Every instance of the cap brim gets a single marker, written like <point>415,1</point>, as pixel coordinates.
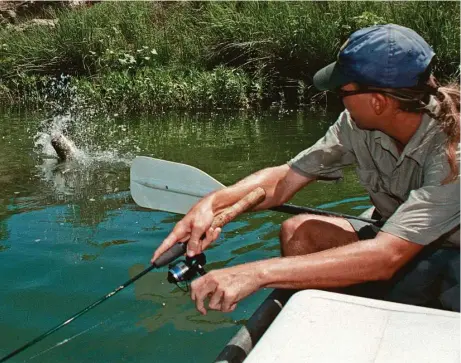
<point>330,78</point>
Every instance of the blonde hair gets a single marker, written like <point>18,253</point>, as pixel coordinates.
<point>447,116</point>
<point>416,99</point>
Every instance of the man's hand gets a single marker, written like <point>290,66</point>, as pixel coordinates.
<point>192,227</point>
<point>225,287</point>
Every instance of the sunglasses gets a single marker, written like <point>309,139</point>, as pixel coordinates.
<point>406,96</point>
<point>343,93</point>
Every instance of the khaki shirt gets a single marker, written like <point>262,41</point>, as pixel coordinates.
<point>405,189</point>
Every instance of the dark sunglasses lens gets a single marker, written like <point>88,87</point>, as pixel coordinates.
<point>341,94</point>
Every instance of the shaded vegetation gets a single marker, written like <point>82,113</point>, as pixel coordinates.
<point>132,56</point>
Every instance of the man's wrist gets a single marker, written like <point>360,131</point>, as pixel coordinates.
<point>217,201</point>
<point>262,273</point>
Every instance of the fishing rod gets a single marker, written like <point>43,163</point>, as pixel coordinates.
<point>181,271</point>
<point>175,275</point>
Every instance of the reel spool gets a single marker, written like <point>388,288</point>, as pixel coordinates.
<point>184,271</point>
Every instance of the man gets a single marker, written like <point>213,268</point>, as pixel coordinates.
<point>402,132</point>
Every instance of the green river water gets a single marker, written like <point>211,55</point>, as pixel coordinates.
<point>70,233</point>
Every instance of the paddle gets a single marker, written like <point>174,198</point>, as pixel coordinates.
<point>175,187</point>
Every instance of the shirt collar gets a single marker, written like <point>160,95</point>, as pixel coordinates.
<point>418,145</point>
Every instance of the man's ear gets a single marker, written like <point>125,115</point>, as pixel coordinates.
<point>379,103</point>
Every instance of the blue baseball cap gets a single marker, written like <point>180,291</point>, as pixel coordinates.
<point>388,56</point>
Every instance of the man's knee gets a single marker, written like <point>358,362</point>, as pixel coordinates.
<point>288,228</point>
<point>309,233</point>
<point>291,242</point>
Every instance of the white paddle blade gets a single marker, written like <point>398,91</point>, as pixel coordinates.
<point>168,186</point>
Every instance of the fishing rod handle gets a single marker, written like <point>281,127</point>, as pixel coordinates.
<point>250,200</point>
<point>177,250</point>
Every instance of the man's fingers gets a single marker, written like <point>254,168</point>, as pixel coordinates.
<point>176,235</point>
<point>228,302</point>
<point>212,235</point>
<point>200,304</point>
<point>215,301</point>
<point>185,238</point>
<point>192,292</point>
<point>199,298</point>
<point>208,238</point>
<point>201,288</point>
<point>166,244</point>
<point>216,233</point>
<point>231,308</point>
<point>194,246</point>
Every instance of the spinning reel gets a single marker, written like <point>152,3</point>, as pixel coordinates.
<point>183,271</point>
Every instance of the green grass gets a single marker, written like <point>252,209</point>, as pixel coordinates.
<point>268,51</point>
<point>158,90</point>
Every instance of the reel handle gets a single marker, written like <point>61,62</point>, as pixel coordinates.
<point>250,200</point>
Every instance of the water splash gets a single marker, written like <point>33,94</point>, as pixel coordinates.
<point>91,170</point>
<point>87,151</point>
<point>102,144</point>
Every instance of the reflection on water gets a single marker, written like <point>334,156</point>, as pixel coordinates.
<point>70,233</point>
<point>171,301</point>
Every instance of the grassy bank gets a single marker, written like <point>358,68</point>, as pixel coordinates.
<point>135,56</point>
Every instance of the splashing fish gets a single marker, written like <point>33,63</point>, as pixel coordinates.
<point>64,147</point>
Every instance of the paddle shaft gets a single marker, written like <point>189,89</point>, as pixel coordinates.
<point>295,209</point>
<point>175,187</point>
<point>250,200</point>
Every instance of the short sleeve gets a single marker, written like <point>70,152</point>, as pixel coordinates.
<point>431,211</point>
<point>326,158</point>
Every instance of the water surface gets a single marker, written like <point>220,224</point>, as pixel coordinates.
<point>70,233</point>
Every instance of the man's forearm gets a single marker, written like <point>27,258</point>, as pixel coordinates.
<point>339,267</point>
<point>279,183</point>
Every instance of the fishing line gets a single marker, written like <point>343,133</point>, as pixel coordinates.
<point>172,254</point>
<point>67,340</point>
